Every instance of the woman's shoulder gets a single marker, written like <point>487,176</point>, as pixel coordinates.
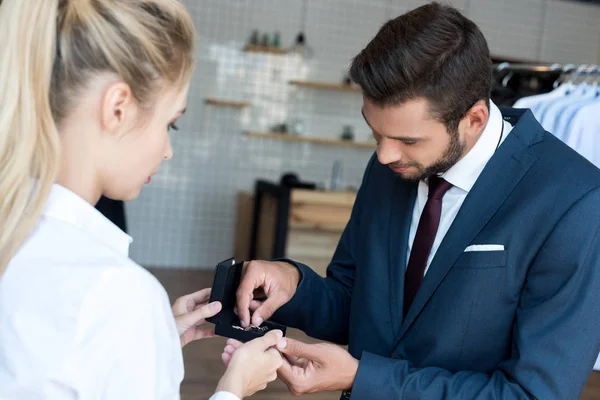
<point>131,282</point>
<point>79,273</point>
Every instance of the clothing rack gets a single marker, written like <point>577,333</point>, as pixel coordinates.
<point>583,69</point>
<point>514,80</point>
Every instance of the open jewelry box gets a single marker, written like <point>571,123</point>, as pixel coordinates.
<point>227,280</point>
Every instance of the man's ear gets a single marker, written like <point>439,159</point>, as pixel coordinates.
<point>476,119</point>
<point>118,109</point>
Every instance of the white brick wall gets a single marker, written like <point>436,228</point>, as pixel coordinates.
<point>185,218</point>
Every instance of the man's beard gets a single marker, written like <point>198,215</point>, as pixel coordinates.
<point>452,154</point>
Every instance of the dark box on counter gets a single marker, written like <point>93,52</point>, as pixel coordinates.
<point>225,285</point>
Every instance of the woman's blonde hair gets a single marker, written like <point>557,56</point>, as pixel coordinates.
<point>50,50</point>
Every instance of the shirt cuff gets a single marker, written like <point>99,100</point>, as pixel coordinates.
<point>224,396</point>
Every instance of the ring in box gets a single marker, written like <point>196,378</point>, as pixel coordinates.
<point>227,280</point>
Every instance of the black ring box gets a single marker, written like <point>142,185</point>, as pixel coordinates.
<point>225,285</point>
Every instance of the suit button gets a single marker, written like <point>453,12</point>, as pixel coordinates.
<point>396,356</point>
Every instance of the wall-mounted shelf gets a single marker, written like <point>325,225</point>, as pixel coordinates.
<point>326,86</point>
<point>307,139</point>
<point>226,103</point>
<point>254,48</point>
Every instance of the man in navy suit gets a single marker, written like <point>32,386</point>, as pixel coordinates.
<point>470,267</point>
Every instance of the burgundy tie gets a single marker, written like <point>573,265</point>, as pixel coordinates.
<point>428,226</point>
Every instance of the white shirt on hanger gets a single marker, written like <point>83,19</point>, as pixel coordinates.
<point>462,176</point>
<point>561,124</point>
<point>548,112</point>
<point>532,102</point>
<point>551,117</point>
<point>584,132</point>
<point>80,320</point>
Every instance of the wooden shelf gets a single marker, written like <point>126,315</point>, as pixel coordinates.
<point>307,139</point>
<point>254,48</point>
<point>226,103</point>
<point>326,86</point>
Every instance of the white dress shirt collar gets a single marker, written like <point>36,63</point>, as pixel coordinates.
<point>68,207</point>
<point>465,172</point>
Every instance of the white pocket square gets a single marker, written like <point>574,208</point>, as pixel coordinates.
<point>485,247</point>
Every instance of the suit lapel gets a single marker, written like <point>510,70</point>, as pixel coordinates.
<point>500,176</point>
<point>401,209</point>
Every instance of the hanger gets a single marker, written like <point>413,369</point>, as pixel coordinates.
<point>565,70</point>
<point>579,72</point>
<point>502,66</point>
<point>593,78</point>
<point>591,70</point>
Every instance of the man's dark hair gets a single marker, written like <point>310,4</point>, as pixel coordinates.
<point>433,52</point>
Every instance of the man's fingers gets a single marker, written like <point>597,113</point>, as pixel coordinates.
<point>267,309</point>
<point>255,305</point>
<point>197,317</point>
<point>296,348</point>
<point>245,294</point>
<point>290,358</point>
<point>285,372</point>
<point>296,361</point>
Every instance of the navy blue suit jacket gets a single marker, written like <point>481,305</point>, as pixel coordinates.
<point>514,324</point>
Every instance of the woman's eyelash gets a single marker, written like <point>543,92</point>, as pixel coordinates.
<point>173,127</point>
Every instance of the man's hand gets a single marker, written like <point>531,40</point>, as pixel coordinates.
<point>312,368</point>
<point>277,281</point>
<point>309,368</point>
<point>190,313</point>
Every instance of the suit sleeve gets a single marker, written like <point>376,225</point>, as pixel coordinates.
<point>321,306</point>
<point>556,333</point>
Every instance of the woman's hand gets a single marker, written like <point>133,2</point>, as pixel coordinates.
<point>252,366</point>
<point>190,313</point>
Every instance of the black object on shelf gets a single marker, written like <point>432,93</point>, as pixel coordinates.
<point>291,180</point>
<point>265,40</point>
<point>347,133</point>
<point>254,38</point>
<point>227,323</point>
<point>280,128</point>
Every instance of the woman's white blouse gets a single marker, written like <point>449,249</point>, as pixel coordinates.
<point>79,319</point>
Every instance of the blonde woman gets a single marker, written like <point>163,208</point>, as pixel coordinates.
<point>88,92</point>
